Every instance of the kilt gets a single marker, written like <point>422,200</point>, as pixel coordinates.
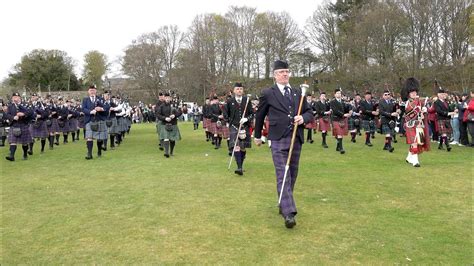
<point>122,124</point>
<point>3,132</point>
<point>242,143</point>
<point>65,128</point>
<point>206,123</point>
<point>224,131</point>
<point>40,131</point>
<point>114,129</point>
<point>387,130</point>
<point>159,124</point>
<point>73,125</point>
<point>352,123</point>
<point>444,127</point>
<point>368,125</point>
<point>173,134</point>
<point>54,126</point>
<point>80,122</point>
<point>280,149</point>
<point>24,138</point>
<point>324,124</point>
<point>337,129</point>
<point>101,134</point>
<point>312,124</point>
<point>213,128</point>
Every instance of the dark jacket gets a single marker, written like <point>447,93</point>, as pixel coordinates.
<point>13,109</point>
<point>386,110</point>
<point>338,109</point>
<point>165,110</point>
<point>273,104</point>
<point>88,106</point>
<point>442,109</point>
<point>367,108</point>
<point>233,111</point>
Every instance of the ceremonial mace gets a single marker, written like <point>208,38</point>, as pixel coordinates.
<point>240,126</point>
<point>295,128</point>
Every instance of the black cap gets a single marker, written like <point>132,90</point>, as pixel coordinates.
<point>323,92</point>
<point>386,91</point>
<point>34,94</point>
<point>368,93</point>
<point>338,89</point>
<point>160,94</point>
<point>238,85</point>
<point>92,87</point>
<point>16,94</point>
<point>215,97</point>
<point>167,94</point>
<point>441,90</point>
<point>280,64</point>
<point>106,91</point>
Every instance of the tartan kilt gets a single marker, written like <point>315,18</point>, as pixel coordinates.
<point>444,127</point>
<point>54,126</point>
<point>368,125</point>
<point>3,132</point>
<point>73,125</point>
<point>173,134</point>
<point>337,129</point>
<point>324,124</point>
<point>351,123</point>
<point>114,129</point>
<point>206,123</point>
<point>101,134</point>
<point>213,128</point>
<point>80,122</point>
<point>40,131</point>
<point>65,128</point>
<point>122,124</point>
<point>24,138</point>
<point>312,124</point>
<point>224,131</point>
<point>158,127</point>
<point>242,143</point>
<point>387,130</point>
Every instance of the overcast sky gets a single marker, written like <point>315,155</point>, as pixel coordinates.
<point>77,27</point>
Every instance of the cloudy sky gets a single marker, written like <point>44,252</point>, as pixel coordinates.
<point>77,27</point>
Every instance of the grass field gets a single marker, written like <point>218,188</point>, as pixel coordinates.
<point>135,206</point>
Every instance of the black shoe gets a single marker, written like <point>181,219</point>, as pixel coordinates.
<point>25,157</point>
<point>89,157</point>
<point>311,141</point>
<point>290,221</point>
<point>161,148</point>
<point>395,141</point>
<point>99,153</point>
<point>440,147</point>
<point>353,140</point>
<point>230,153</point>
<point>368,144</point>
<point>166,155</point>
<point>216,147</point>
<point>448,148</point>
<point>417,165</point>
<point>391,149</point>
<point>385,148</point>
<point>342,151</point>
<point>12,159</point>
<point>325,146</point>
<point>30,152</point>
<point>373,136</point>
<point>56,143</point>
<point>104,148</point>
<point>239,172</point>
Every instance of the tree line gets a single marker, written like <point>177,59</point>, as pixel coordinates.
<point>355,44</point>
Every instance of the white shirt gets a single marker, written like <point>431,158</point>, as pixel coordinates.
<point>282,88</point>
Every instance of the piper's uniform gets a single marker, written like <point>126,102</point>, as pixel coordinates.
<point>312,125</point>
<point>388,122</point>
<point>19,132</point>
<point>368,119</point>
<point>239,141</point>
<point>96,127</point>
<point>38,126</point>
<point>3,124</point>
<point>443,126</point>
<point>169,130</point>
<point>322,109</point>
<point>214,112</point>
<point>339,121</point>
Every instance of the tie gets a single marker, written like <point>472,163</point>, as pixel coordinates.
<point>287,95</point>
<point>93,99</point>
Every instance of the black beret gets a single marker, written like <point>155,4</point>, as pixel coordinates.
<point>323,92</point>
<point>238,85</point>
<point>368,92</point>
<point>338,89</point>
<point>280,64</point>
<point>16,94</point>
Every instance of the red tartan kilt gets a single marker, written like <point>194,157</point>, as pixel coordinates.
<point>224,131</point>
<point>442,129</point>
<point>410,134</point>
<point>338,130</point>
<point>311,124</point>
<point>324,125</point>
<point>213,128</point>
<point>206,123</point>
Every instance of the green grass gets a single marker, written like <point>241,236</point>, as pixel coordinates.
<point>135,206</point>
